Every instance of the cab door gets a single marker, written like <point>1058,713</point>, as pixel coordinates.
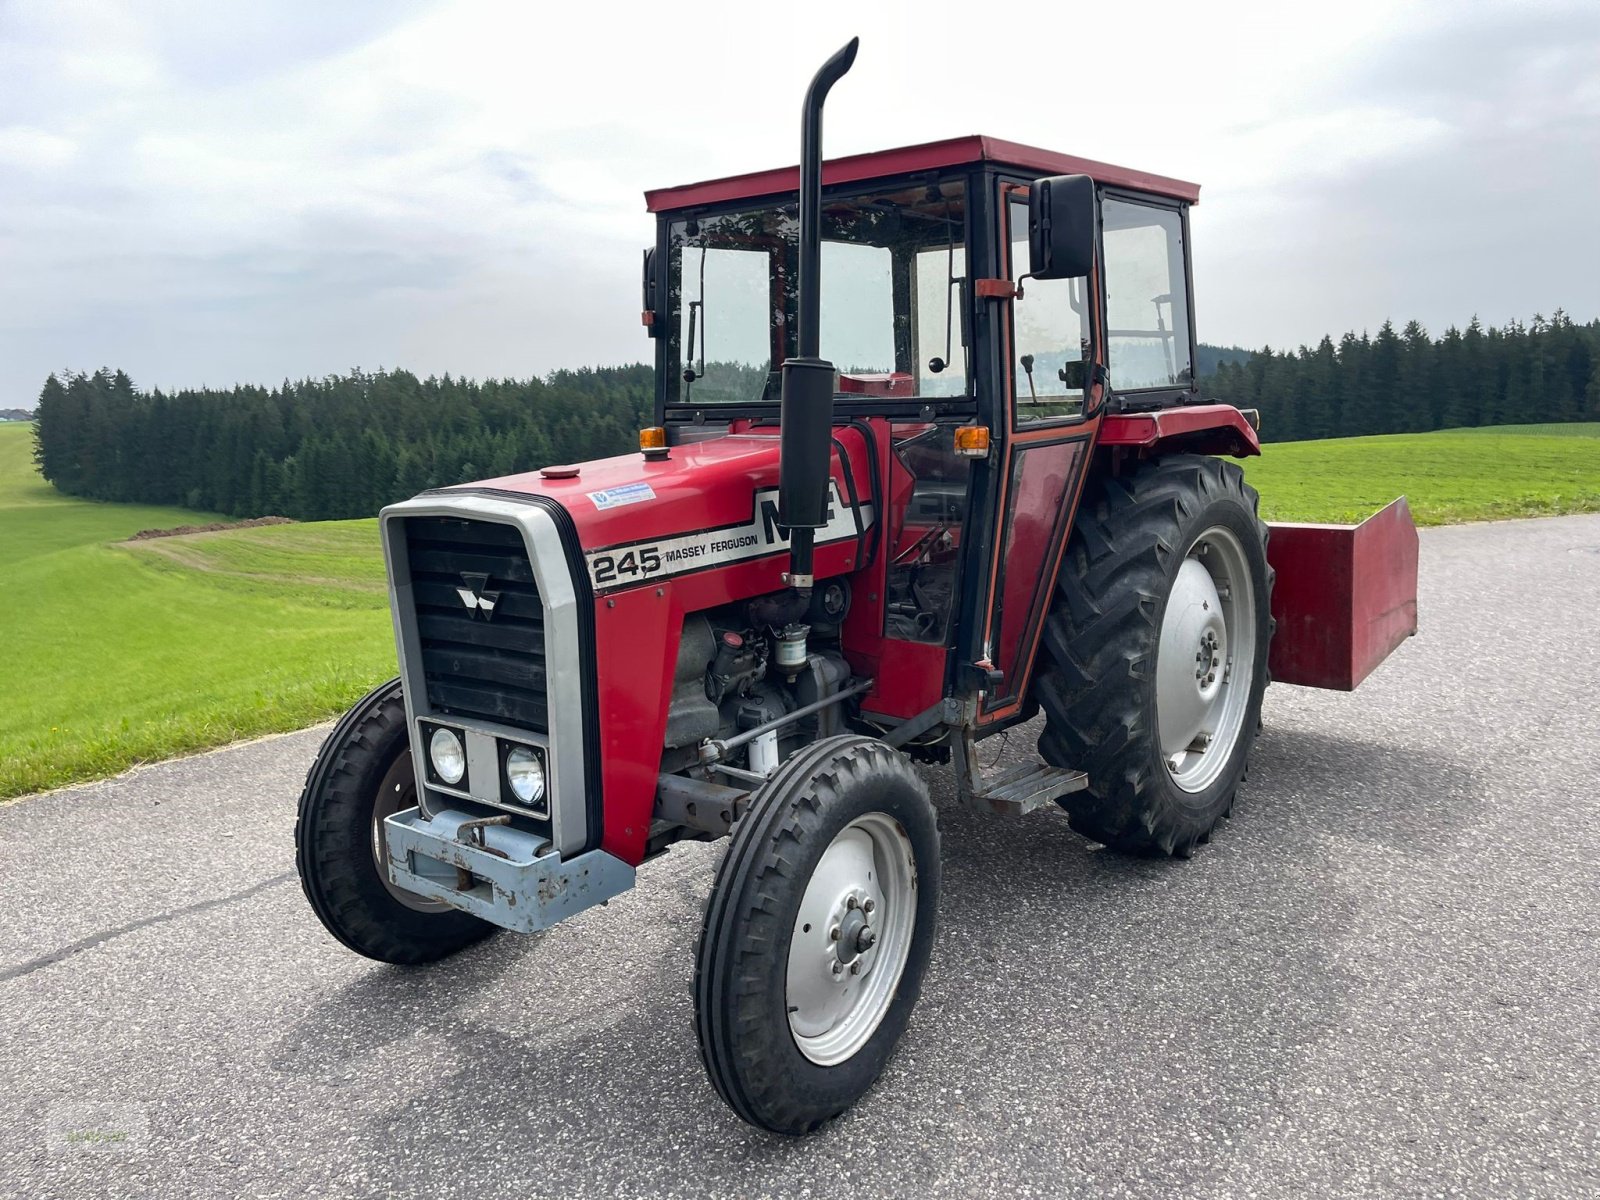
<point>1048,342</point>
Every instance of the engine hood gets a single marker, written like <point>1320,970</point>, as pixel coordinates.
<point>710,503</point>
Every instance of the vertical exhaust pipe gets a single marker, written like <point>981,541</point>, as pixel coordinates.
<point>806,415</point>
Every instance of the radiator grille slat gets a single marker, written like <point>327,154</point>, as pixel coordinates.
<point>443,599</point>
<point>476,664</point>
<point>437,628</point>
<point>432,562</point>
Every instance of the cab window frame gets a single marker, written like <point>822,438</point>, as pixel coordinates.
<point>1015,190</point>
<point>1159,395</point>
<point>961,406</point>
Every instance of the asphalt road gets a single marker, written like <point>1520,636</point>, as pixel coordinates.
<point>1382,978</point>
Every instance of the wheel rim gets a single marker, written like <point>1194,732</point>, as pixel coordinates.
<point>397,792</point>
<point>851,938</point>
<point>1205,660</point>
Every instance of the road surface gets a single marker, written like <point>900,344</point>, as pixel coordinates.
<point>1380,979</point>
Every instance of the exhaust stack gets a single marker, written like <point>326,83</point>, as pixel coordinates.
<point>806,415</point>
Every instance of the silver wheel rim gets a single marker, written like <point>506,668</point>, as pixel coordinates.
<point>1205,660</point>
<point>397,791</point>
<point>851,939</point>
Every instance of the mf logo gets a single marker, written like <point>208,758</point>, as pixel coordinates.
<point>475,598</point>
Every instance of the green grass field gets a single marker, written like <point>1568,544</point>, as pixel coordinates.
<point>117,653</point>
<point>1451,476</point>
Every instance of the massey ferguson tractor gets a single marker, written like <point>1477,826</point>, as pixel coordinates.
<point>929,461</point>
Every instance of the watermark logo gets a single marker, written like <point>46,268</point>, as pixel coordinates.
<point>97,1127</point>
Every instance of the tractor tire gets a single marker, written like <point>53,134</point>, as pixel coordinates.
<point>361,775</point>
<point>1154,659</point>
<point>817,934</point>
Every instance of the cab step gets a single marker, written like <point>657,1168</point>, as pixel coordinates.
<point>1027,786</point>
<point>1014,790</point>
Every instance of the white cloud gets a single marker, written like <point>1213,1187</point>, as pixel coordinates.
<point>34,149</point>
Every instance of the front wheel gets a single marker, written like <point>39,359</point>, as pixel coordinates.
<point>361,775</point>
<point>817,934</point>
<point>1154,659</point>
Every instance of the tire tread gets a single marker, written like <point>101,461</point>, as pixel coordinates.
<point>742,940</point>
<point>333,853</point>
<point>1099,646</point>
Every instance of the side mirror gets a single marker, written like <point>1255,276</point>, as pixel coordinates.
<point>1075,375</point>
<point>1063,224</point>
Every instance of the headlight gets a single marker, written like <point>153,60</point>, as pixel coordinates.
<point>525,774</point>
<point>448,757</point>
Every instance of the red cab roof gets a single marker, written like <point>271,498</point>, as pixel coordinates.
<point>929,156</point>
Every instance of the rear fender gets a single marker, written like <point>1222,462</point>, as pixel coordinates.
<point>1345,597</point>
<point>1189,429</point>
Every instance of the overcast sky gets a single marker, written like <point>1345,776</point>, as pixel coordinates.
<point>210,192</point>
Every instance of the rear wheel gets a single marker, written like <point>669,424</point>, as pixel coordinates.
<point>1154,660</point>
<point>361,775</point>
<point>817,934</point>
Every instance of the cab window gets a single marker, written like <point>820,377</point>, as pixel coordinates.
<point>889,307</point>
<point>1048,332</point>
<point>1147,300</point>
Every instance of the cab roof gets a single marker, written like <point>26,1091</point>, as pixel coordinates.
<point>929,156</point>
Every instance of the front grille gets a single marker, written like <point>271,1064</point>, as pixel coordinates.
<point>476,663</point>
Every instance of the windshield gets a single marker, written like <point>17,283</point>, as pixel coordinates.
<point>890,317</point>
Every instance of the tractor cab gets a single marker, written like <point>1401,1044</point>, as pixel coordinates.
<point>915,242</point>
<point>976,379</point>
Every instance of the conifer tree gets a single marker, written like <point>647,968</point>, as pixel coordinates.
<point>345,445</point>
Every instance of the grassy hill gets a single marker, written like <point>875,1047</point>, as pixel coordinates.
<point>118,652</point>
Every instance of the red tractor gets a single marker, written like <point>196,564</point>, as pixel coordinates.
<point>1000,496</point>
